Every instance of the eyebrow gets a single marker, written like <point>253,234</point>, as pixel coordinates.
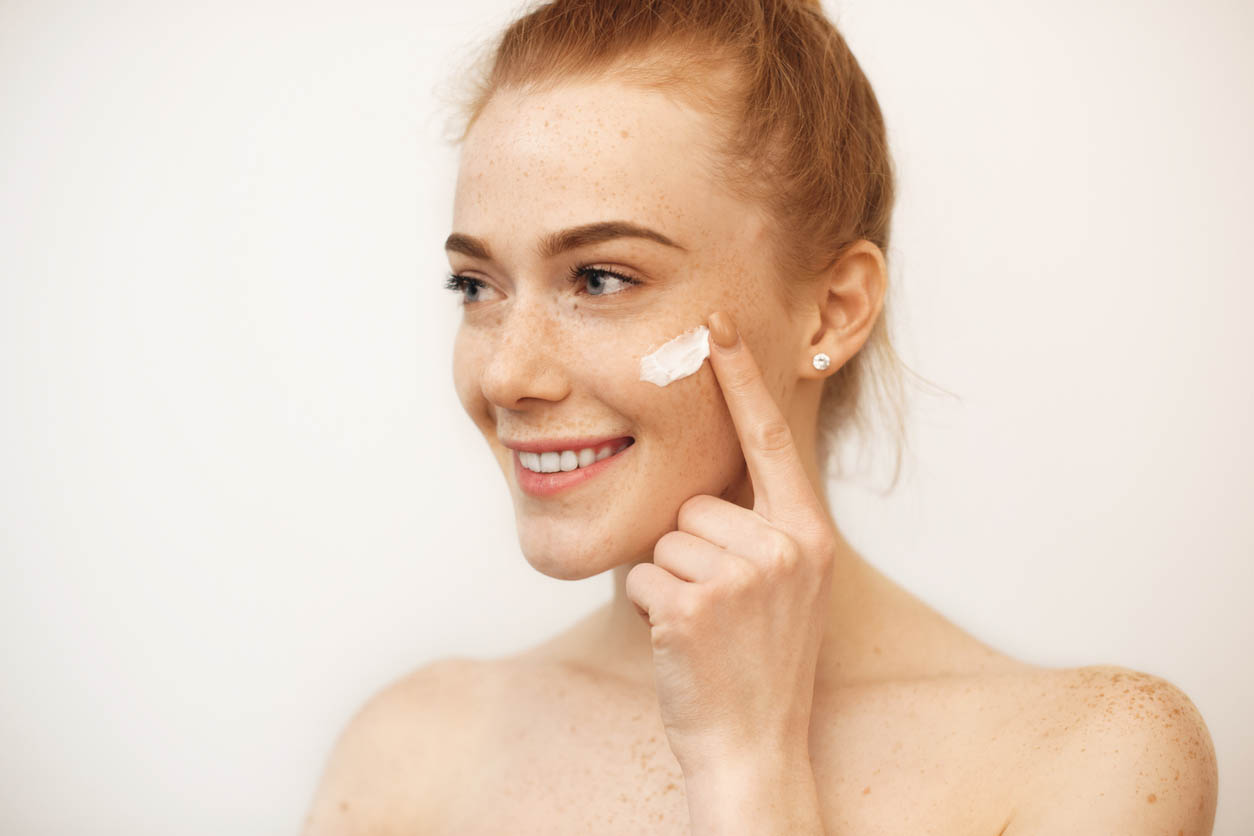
<point>567,239</point>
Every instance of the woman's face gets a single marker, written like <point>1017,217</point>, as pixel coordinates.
<point>541,357</point>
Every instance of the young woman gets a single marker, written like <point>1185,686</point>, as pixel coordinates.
<point>632,171</point>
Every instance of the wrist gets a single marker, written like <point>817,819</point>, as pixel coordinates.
<point>763,792</point>
<point>726,761</point>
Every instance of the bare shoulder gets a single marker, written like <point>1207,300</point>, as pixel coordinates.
<point>1128,751</point>
<point>404,751</point>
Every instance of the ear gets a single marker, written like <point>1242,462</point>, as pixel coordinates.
<point>846,303</point>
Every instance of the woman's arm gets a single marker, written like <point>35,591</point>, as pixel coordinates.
<point>763,794</point>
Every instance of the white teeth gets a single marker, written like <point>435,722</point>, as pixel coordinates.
<point>567,460</point>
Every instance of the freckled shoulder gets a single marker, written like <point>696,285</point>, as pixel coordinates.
<point>1131,753</point>
<point>406,752</point>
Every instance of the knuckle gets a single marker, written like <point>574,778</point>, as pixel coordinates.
<point>821,545</point>
<point>773,436</point>
<point>691,502</point>
<point>687,611</point>
<point>783,556</point>
<point>778,569</point>
<point>741,573</point>
<point>691,509</point>
<point>667,542</point>
<point>781,547</point>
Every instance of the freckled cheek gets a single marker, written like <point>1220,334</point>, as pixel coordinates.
<point>689,419</point>
<point>602,364</point>
<point>607,367</point>
<point>716,434</point>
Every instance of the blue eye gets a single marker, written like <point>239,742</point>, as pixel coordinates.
<point>599,280</point>
<point>461,284</point>
<point>599,283</point>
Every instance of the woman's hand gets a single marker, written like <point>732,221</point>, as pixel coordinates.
<point>736,597</point>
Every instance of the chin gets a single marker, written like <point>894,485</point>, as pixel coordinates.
<point>572,556</point>
<point>568,565</point>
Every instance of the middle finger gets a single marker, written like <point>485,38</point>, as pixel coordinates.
<point>689,557</point>
<point>726,524</point>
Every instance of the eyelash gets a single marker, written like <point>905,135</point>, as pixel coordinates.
<point>458,283</point>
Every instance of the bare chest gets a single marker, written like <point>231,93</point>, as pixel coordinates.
<point>586,759</point>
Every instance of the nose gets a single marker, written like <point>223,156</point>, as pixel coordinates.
<point>524,359</point>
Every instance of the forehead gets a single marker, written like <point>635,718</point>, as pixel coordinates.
<point>586,151</point>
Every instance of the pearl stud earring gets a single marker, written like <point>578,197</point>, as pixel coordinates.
<point>822,361</point>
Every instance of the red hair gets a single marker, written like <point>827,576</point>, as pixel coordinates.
<point>798,124</point>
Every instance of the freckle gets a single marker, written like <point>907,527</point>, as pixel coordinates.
<point>1151,798</point>
<point>877,649</point>
<point>866,790</point>
<point>343,806</point>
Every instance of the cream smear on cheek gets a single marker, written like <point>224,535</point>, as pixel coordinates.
<point>677,358</point>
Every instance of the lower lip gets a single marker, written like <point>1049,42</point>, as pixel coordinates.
<point>547,484</point>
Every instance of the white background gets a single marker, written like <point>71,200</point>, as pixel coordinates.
<point>239,495</point>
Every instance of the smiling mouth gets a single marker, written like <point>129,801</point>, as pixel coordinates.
<point>565,461</point>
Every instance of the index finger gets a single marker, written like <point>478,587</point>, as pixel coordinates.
<point>781,487</point>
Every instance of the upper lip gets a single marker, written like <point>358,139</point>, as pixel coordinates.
<point>551,444</point>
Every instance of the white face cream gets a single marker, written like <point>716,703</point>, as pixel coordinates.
<point>677,358</point>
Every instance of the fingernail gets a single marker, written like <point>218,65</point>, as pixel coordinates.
<point>723,329</point>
